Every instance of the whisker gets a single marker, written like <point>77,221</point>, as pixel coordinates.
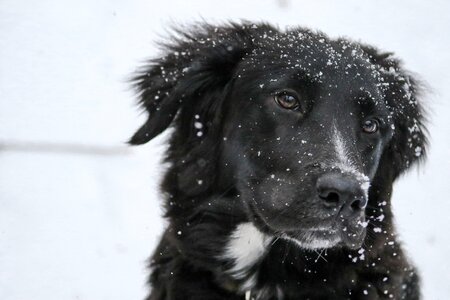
<point>320,256</point>
<point>275,240</point>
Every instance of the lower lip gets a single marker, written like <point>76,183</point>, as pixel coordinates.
<point>319,241</point>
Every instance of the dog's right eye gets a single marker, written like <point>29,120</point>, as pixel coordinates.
<point>287,100</point>
<point>371,126</point>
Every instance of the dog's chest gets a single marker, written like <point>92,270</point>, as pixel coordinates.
<point>245,252</point>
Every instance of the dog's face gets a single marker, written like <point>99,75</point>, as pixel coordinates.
<point>306,142</point>
<point>296,123</point>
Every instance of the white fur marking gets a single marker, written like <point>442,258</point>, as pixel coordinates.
<point>248,295</point>
<point>345,164</point>
<point>246,246</point>
<point>341,151</point>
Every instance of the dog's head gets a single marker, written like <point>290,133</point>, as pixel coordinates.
<point>306,130</point>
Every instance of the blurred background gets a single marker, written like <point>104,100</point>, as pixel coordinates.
<point>80,211</point>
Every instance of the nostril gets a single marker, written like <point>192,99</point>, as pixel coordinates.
<point>331,198</point>
<point>358,204</point>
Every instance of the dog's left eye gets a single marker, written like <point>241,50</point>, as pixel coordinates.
<point>287,100</point>
<point>371,126</point>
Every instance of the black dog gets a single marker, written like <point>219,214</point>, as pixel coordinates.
<point>285,148</point>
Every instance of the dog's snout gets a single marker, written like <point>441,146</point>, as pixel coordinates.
<point>341,192</point>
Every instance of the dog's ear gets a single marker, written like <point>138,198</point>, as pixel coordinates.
<point>403,96</point>
<point>198,63</point>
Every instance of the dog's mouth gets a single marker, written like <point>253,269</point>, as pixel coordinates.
<point>340,233</point>
<point>314,239</point>
<point>351,238</point>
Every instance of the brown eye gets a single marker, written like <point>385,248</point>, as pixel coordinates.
<point>371,126</point>
<point>287,100</point>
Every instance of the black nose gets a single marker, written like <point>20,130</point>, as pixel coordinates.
<point>341,192</point>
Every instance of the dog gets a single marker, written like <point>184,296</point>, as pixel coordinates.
<point>284,150</point>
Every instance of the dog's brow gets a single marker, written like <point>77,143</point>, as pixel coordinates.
<point>365,96</point>
<point>366,101</point>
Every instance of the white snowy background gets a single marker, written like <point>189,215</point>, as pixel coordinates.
<point>80,212</point>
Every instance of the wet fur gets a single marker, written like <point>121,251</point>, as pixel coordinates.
<point>198,79</point>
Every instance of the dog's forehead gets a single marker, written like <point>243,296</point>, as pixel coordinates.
<point>315,55</point>
<point>338,66</point>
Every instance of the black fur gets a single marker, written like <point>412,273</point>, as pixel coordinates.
<point>236,156</point>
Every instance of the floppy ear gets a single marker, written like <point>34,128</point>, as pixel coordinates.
<point>198,65</point>
<point>403,97</point>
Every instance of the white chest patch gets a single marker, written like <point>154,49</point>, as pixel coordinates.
<point>246,247</point>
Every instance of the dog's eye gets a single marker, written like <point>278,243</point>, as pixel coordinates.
<point>287,100</point>
<point>371,126</point>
